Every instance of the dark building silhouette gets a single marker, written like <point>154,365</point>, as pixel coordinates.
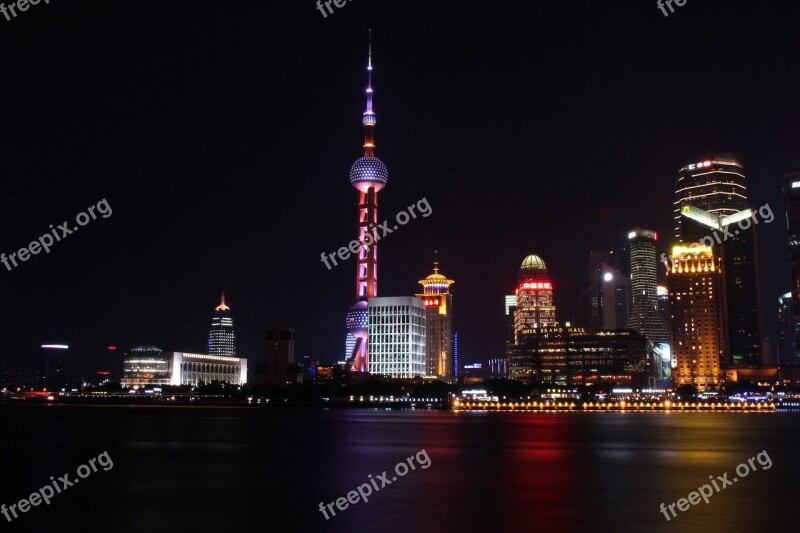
<point>279,355</point>
<point>791,199</point>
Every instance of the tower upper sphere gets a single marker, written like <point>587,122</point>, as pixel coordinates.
<point>369,171</point>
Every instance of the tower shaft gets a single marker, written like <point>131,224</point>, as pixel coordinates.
<point>367,268</point>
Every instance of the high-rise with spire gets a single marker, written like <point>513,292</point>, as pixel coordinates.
<point>368,175</point>
<point>221,339</point>
<point>438,322</point>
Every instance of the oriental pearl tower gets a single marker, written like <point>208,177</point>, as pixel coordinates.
<point>368,174</point>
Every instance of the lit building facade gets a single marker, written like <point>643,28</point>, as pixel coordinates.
<point>791,200</point>
<point>221,339</point>
<point>149,366</point>
<point>438,323</point>
<point>145,366</point>
<point>456,368</point>
<point>664,309</point>
<point>368,175</point>
<point>645,316</point>
<point>719,187</point>
<point>581,356</point>
<point>697,340</point>
<point>195,369</point>
<point>498,368</point>
<point>511,311</point>
<point>397,336</point>
<point>535,307</point>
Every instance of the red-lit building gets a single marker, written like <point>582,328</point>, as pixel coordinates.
<point>535,307</point>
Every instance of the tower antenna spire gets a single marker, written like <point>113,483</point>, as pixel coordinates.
<point>222,306</point>
<point>369,119</point>
<point>436,261</point>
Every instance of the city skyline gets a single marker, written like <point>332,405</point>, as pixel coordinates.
<point>581,287</point>
<point>113,266</point>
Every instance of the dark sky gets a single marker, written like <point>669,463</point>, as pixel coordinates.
<point>222,133</point>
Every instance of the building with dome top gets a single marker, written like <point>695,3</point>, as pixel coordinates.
<point>535,307</point>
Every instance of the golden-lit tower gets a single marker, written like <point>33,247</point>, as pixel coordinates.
<point>695,296</point>
<point>438,322</point>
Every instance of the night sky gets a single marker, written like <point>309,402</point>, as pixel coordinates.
<point>221,134</point>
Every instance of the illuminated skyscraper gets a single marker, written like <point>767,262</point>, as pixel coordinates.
<point>719,187</point>
<point>694,283</point>
<point>791,200</point>
<point>221,339</point>
<point>535,307</point>
<point>397,336</point>
<point>645,316</point>
<point>438,323</point>
<point>368,175</point>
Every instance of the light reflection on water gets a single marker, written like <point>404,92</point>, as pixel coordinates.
<point>196,470</point>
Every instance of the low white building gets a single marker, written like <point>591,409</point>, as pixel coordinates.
<point>148,366</point>
<point>192,368</point>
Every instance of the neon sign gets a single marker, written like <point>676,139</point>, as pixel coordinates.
<point>537,285</point>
